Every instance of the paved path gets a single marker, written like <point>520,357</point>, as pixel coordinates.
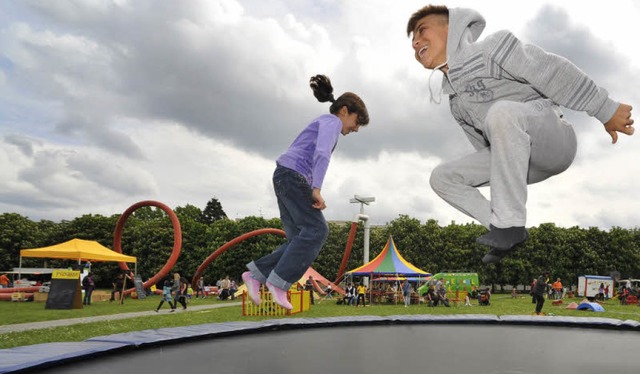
<point>108,317</point>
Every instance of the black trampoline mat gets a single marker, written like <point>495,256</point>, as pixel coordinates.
<point>401,348</point>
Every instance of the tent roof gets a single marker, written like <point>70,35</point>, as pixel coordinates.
<point>389,262</point>
<point>78,249</point>
<point>318,278</point>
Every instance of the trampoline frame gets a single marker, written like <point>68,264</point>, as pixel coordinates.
<point>39,356</point>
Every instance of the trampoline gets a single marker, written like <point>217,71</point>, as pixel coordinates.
<point>369,344</point>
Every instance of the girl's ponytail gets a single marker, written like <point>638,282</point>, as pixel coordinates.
<point>322,89</point>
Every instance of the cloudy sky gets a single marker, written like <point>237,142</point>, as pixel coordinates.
<point>107,103</point>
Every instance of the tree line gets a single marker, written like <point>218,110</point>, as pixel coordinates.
<point>148,234</point>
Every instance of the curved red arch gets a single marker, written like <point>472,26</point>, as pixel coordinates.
<point>230,244</point>
<point>347,252</point>
<point>177,240</point>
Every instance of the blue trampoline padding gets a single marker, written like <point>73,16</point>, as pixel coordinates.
<point>32,356</point>
<point>590,306</point>
<point>172,334</point>
<point>41,355</point>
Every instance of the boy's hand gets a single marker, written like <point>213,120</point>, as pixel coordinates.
<point>620,122</point>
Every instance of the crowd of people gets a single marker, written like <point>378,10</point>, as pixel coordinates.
<point>177,291</point>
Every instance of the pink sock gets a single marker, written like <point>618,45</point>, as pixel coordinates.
<point>253,287</point>
<point>279,296</point>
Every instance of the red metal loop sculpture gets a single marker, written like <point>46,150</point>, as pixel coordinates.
<point>230,244</point>
<point>177,240</point>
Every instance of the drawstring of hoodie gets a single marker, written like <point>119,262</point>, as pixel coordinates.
<point>431,98</point>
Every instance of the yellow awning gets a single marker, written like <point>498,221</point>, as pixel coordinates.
<point>78,249</point>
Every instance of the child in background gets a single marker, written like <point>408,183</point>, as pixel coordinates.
<point>362,291</point>
<point>297,182</point>
<point>189,293</point>
<point>166,295</point>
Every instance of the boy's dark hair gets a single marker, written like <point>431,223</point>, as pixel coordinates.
<point>323,91</point>
<point>426,11</point>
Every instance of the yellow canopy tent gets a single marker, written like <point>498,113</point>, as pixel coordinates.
<point>78,249</point>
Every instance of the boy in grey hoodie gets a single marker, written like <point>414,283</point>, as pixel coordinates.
<point>506,97</point>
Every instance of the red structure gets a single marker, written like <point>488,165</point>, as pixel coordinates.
<point>230,244</point>
<point>177,240</point>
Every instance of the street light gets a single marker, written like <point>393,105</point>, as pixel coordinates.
<point>362,217</point>
<point>363,201</point>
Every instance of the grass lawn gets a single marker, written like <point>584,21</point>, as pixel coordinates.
<point>19,312</point>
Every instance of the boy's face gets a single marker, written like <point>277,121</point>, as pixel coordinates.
<point>430,40</point>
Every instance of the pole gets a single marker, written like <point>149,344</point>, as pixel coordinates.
<point>124,283</point>
<point>367,228</point>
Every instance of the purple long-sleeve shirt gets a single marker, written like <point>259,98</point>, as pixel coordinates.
<point>310,152</point>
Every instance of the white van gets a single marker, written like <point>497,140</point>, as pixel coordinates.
<point>632,284</point>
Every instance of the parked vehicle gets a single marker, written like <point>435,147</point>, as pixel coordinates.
<point>632,284</point>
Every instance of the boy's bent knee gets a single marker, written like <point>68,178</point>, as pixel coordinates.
<point>442,177</point>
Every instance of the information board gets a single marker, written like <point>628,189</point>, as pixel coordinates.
<point>65,291</point>
<point>137,281</point>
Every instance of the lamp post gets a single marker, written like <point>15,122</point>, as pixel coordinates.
<point>367,227</point>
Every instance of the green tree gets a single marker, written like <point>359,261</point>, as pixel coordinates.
<point>16,232</point>
<point>213,212</point>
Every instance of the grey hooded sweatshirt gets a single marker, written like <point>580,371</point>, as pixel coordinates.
<point>501,67</point>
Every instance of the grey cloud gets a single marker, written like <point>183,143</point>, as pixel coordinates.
<point>229,81</point>
<point>553,30</point>
<point>76,176</point>
<point>23,143</point>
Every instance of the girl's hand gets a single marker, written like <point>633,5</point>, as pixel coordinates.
<point>318,200</point>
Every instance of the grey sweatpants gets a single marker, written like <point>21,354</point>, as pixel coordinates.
<point>530,142</point>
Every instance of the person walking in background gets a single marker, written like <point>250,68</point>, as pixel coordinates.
<point>539,291</point>
<point>188,292</point>
<point>88,285</point>
<point>167,286</point>
<point>506,97</point>
<point>406,293</point>
<point>177,290</point>
<point>200,288</point>
<point>297,181</point>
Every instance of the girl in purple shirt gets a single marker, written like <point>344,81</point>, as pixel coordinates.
<point>297,182</point>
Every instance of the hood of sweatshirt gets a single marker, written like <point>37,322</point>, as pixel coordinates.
<point>465,27</point>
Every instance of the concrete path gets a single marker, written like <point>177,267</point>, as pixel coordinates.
<point>109,317</point>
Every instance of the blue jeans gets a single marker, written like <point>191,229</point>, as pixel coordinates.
<point>304,225</point>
